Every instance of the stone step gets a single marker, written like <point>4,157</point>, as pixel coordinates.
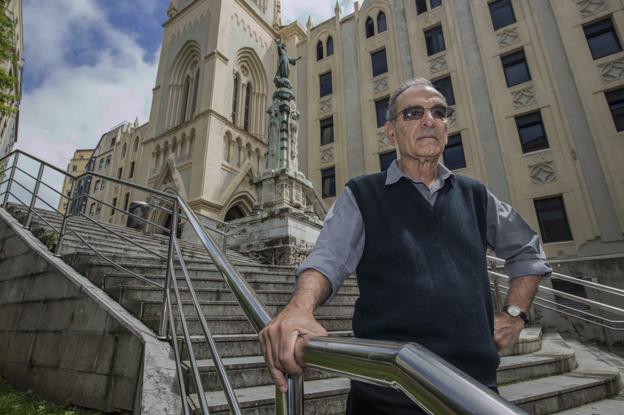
<point>530,341</point>
<point>324,396</point>
<point>612,406</point>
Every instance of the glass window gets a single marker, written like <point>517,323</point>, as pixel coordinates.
<point>114,206</point>
<point>454,153</point>
<point>502,14</point>
<point>602,38</point>
<point>96,187</point>
<point>119,172</point>
<point>531,132</point>
<point>327,131</point>
<point>319,50</point>
<point>235,98</point>
<point>126,201</point>
<point>131,170</point>
<point>553,221</point>
<point>330,46</point>
<point>381,107</point>
<point>515,68</point>
<point>435,3</point>
<point>421,6</point>
<point>616,105</point>
<point>370,27</point>
<point>247,113</point>
<point>445,87</point>
<point>101,165</point>
<point>328,178</point>
<point>325,84</point>
<point>381,22</point>
<point>379,61</point>
<point>74,167</point>
<point>434,38</point>
<point>385,159</point>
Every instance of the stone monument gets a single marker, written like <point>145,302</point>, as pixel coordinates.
<point>288,216</point>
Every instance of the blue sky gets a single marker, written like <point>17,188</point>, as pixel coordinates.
<point>90,64</point>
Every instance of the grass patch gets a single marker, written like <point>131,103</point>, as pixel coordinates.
<point>14,402</point>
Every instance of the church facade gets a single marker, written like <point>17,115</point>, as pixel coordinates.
<point>538,89</point>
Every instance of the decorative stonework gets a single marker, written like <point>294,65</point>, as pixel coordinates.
<point>452,120</point>
<point>325,106</point>
<point>327,155</point>
<point>438,64</point>
<point>612,71</point>
<point>523,97</point>
<point>507,38</point>
<point>590,7</point>
<point>382,139</point>
<point>381,85</point>
<point>543,172</point>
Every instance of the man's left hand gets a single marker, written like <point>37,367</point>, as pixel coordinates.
<point>506,330</point>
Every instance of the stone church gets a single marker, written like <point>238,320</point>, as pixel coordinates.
<point>538,90</point>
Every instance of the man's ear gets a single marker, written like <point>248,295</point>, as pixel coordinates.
<point>389,128</point>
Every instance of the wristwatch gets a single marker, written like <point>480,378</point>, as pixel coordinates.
<point>514,311</point>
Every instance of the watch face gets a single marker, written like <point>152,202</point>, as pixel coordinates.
<point>513,310</point>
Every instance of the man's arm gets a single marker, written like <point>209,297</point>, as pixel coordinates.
<point>507,329</point>
<point>279,338</point>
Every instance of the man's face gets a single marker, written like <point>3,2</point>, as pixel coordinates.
<point>423,138</point>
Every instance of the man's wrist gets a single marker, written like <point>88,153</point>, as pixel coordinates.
<point>515,311</point>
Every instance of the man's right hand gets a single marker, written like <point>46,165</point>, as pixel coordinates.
<point>283,339</point>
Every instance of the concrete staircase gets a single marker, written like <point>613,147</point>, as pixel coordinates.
<point>543,373</point>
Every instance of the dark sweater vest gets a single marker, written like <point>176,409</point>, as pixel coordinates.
<point>423,273</point>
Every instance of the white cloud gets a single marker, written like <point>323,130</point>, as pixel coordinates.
<point>319,10</point>
<point>74,104</point>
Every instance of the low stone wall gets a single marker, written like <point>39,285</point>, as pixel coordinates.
<point>67,340</point>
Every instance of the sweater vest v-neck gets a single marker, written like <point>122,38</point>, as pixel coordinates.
<point>423,273</point>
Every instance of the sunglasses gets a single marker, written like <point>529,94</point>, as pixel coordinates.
<point>438,112</point>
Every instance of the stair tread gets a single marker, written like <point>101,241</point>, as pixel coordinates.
<point>611,406</point>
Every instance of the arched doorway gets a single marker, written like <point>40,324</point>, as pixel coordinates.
<point>235,212</point>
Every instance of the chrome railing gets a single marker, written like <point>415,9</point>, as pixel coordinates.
<point>432,383</point>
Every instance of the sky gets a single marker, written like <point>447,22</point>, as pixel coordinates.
<point>91,64</point>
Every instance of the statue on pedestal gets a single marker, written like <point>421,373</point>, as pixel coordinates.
<point>283,66</point>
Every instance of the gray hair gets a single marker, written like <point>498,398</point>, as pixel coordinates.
<point>391,113</point>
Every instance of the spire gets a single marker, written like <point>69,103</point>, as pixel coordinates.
<point>309,23</point>
<point>136,122</point>
<point>337,8</point>
<point>171,9</point>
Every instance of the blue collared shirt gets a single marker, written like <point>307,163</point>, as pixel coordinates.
<point>340,244</point>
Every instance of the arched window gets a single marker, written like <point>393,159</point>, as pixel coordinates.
<point>370,27</point>
<point>319,50</point>
<point>246,120</point>
<point>185,97</point>
<point>136,145</point>
<point>381,22</point>
<point>195,92</point>
<point>235,97</point>
<point>235,212</point>
<point>330,46</point>
<point>97,186</point>
<point>123,150</point>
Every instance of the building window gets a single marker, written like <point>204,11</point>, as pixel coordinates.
<point>435,3</point>
<point>381,107</point>
<point>92,209</point>
<point>531,132</point>
<point>114,206</point>
<point>370,27</point>
<point>445,86</point>
<point>126,200</point>
<point>553,221</point>
<point>380,63</point>
<point>319,50</point>
<point>602,38</point>
<point>502,14</point>
<point>101,165</point>
<point>570,288</point>
<point>515,68</point>
<point>385,159</point>
<point>325,84</point>
<point>434,38</point>
<point>454,153</point>
<point>381,22</point>
<point>421,6</point>
<point>98,208</point>
<point>330,46</point>
<point>185,98</point>
<point>96,187</point>
<point>103,186</point>
<point>247,114</point>
<point>131,175</point>
<point>108,161</point>
<point>235,98</point>
<point>328,179</point>
<point>327,131</point>
<point>119,172</point>
<point>616,105</point>
<point>74,167</point>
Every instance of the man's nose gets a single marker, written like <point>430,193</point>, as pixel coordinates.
<point>427,118</point>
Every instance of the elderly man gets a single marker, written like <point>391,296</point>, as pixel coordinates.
<point>416,235</point>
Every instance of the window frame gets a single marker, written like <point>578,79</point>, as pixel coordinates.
<point>452,145</point>
<point>328,173</point>
<point>436,85</point>
<point>512,60</point>
<point>382,111</point>
<point>597,32</point>
<point>421,6</point>
<point>379,67</point>
<point>325,124</point>
<point>613,101</point>
<point>527,123</point>
<point>546,237</point>
<point>382,159</point>
<point>500,5</point>
<point>329,88</point>
<point>433,35</point>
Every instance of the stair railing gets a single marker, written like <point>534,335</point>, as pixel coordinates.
<point>434,384</point>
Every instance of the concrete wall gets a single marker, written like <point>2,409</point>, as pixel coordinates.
<point>64,338</point>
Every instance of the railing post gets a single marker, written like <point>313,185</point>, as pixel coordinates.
<point>162,329</point>
<point>66,215</point>
<point>33,201</point>
<point>8,189</point>
<point>295,395</point>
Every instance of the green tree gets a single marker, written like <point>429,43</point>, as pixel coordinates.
<point>8,62</point>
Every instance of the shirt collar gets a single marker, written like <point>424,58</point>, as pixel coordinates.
<point>394,173</point>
